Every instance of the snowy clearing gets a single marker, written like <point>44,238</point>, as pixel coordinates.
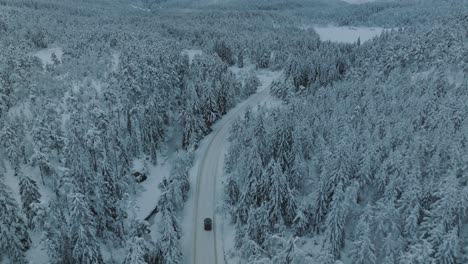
<point>140,8</point>
<point>45,55</point>
<point>191,53</point>
<point>115,61</point>
<point>346,34</point>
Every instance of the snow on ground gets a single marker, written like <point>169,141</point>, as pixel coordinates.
<point>191,53</point>
<point>45,55</point>
<point>140,8</point>
<point>454,76</point>
<point>244,72</point>
<point>346,34</point>
<point>37,254</point>
<point>115,61</point>
<point>12,181</point>
<point>148,192</point>
<point>97,86</point>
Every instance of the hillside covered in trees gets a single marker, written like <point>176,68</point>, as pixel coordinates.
<point>367,165</point>
<point>363,161</point>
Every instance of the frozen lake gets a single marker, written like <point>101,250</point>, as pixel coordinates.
<point>346,34</point>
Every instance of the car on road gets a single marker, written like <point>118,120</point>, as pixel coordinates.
<point>208,224</point>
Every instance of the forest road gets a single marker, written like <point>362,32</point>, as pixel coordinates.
<point>207,246</point>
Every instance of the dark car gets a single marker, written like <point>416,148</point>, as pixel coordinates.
<point>208,224</point>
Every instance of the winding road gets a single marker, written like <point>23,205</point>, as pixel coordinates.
<point>207,246</point>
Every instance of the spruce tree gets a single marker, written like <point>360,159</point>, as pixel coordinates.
<point>169,241</point>
<point>29,197</point>
<point>136,251</point>
<point>14,237</point>
<point>82,231</point>
<point>363,250</point>
<point>335,222</point>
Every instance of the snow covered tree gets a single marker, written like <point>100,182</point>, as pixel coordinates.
<point>298,173</point>
<point>321,203</point>
<point>240,235</point>
<point>40,160</point>
<point>291,254</point>
<point>232,192</point>
<point>136,251</point>
<point>154,124</point>
<point>282,203</point>
<point>335,222</point>
<point>85,246</point>
<point>447,252</point>
<point>251,85</point>
<point>223,51</point>
<point>112,199</point>
<point>29,197</point>
<point>302,220</point>
<point>194,126</point>
<point>363,251</point>
<point>258,224</point>
<point>419,253</point>
<point>55,234</point>
<point>11,143</point>
<point>169,241</point>
<point>240,59</point>
<point>283,91</point>
<point>14,237</point>
<point>180,171</point>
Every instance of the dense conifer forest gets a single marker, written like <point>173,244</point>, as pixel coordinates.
<point>361,158</point>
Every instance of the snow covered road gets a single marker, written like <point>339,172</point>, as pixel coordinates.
<point>207,247</point>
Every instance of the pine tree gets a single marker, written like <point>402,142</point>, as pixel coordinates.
<point>298,173</point>
<point>180,172</point>
<point>321,203</point>
<point>334,233</point>
<point>419,253</point>
<point>389,252</point>
<point>292,254</point>
<point>232,192</point>
<point>302,220</point>
<point>29,196</point>
<point>136,251</point>
<point>56,236</point>
<point>239,236</point>
<point>169,241</point>
<point>194,126</point>
<point>258,224</point>
<point>14,237</point>
<point>363,251</point>
<point>112,198</point>
<point>282,203</point>
<point>11,144</point>
<point>251,85</point>
<point>223,51</point>
<point>448,251</point>
<point>326,257</point>
<point>82,232</point>
<point>40,159</point>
